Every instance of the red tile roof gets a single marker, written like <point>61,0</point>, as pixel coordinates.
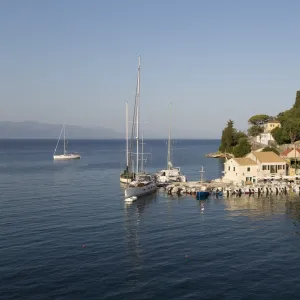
<point>288,150</point>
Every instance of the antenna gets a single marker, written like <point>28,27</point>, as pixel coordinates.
<point>201,174</point>
<point>169,141</point>
<point>169,163</point>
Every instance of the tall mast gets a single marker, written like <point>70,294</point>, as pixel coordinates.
<point>142,162</point>
<point>138,117</point>
<point>61,131</point>
<point>127,158</point>
<point>65,138</point>
<point>169,141</point>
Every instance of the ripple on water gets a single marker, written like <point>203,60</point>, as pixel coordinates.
<point>159,247</point>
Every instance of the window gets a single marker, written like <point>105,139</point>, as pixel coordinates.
<point>280,167</point>
<point>228,168</point>
<point>273,169</point>
<point>233,168</point>
<point>283,167</point>
<point>248,169</point>
<point>264,167</point>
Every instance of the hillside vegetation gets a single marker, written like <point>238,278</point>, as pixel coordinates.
<point>237,142</point>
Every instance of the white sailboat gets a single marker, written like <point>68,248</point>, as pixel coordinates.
<point>66,155</point>
<point>171,174</point>
<point>143,183</point>
<point>127,176</point>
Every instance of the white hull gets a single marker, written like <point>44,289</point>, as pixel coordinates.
<point>125,180</point>
<point>165,179</point>
<point>140,191</point>
<point>66,156</point>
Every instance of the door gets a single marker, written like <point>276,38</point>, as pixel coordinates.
<point>273,169</point>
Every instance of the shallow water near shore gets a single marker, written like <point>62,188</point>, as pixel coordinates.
<point>66,232</point>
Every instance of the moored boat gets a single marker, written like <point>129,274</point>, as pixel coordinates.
<point>143,183</point>
<point>171,174</point>
<point>65,155</point>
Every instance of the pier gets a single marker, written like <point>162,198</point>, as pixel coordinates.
<point>219,187</point>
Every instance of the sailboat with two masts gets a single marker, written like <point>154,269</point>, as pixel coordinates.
<point>143,182</point>
<point>171,174</point>
<point>65,155</point>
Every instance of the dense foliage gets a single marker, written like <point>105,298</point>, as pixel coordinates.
<point>267,149</point>
<point>257,123</point>
<point>233,141</point>
<point>255,130</point>
<point>242,148</point>
<point>228,139</point>
<point>259,119</point>
<point>290,124</point>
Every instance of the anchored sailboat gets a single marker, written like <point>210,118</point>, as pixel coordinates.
<point>171,174</point>
<point>143,183</point>
<point>65,154</point>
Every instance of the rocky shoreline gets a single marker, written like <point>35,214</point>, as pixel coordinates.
<point>218,155</point>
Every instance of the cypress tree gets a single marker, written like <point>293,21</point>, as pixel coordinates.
<point>297,101</point>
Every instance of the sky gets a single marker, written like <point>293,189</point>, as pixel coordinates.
<point>76,61</point>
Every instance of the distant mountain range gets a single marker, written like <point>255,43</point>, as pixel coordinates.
<point>36,130</point>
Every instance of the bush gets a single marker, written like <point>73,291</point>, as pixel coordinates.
<point>242,148</point>
<point>267,149</point>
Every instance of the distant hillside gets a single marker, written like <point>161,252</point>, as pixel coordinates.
<point>30,130</point>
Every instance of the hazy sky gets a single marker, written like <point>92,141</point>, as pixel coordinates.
<point>215,60</point>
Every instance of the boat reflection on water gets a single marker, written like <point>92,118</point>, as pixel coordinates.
<point>133,212</point>
<point>256,207</point>
<point>201,203</point>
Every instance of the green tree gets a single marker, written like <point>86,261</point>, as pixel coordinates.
<point>297,101</point>
<point>229,138</point>
<point>240,134</point>
<point>292,129</point>
<point>242,148</point>
<point>282,117</point>
<point>267,149</point>
<point>255,130</point>
<point>279,136</point>
<point>259,119</point>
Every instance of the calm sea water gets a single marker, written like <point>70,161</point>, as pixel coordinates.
<point>66,232</point>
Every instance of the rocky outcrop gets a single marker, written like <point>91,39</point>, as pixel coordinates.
<point>219,155</point>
